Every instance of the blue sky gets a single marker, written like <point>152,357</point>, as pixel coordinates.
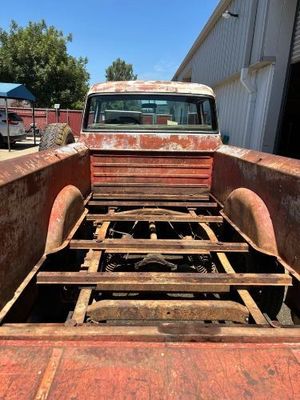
<point>153,35</point>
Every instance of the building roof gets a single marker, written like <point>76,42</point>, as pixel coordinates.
<point>221,7</point>
<point>152,87</point>
<point>15,91</point>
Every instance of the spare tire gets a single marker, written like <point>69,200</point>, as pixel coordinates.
<point>58,134</point>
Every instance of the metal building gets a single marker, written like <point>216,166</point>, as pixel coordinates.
<point>249,52</point>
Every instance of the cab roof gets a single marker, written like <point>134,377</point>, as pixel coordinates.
<point>152,87</point>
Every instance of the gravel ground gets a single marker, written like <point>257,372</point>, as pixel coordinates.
<point>284,316</point>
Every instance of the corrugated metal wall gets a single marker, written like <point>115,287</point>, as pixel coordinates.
<point>223,49</point>
<point>296,45</point>
<point>250,120</point>
<point>232,104</point>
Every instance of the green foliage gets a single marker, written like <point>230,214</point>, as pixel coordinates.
<point>36,55</point>
<point>119,70</point>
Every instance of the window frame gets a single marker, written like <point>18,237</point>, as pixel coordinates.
<point>137,129</point>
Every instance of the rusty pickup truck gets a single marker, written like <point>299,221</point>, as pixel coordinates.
<point>149,260</point>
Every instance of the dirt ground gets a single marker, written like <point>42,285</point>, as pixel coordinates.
<point>20,149</point>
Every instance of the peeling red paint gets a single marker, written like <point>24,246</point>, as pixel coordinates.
<point>276,180</point>
<point>28,188</point>
<point>151,141</point>
<point>151,87</point>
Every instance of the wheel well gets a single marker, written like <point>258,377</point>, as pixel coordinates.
<point>248,212</point>
<point>67,209</point>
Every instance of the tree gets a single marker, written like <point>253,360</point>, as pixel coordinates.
<point>119,70</point>
<point>36,55</point>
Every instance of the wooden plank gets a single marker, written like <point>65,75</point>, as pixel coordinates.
<point>49,374</point>
<point>170,310</point>
<point>149,196</point>
<point>149,203</point>
<point>254,310</point>
<point>164,332</point>
<point>165,246</point>
<point>146,281</point>
<point>93,265</point>
<point>152,217</point>
<point>132,282</point>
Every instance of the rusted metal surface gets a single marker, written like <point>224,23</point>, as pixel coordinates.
<point>141,141</point>
<point>20,289</point>
<point>254,310</point>
<point>151,310</point>
<point>150,196</point>
<point>49,374</point>
<point>151,87</point>
<point>256,223</point>
<point>167,246</point>
<point>135,281</point>
<point>152,203</point>
<point>164,332</point>
<point>66,210</point>
<point>28,188</point>
<point>154,217</point>
<point>81,370</point>
<point>93,260</point>
<point>276,180</point>
<point>55,360</point>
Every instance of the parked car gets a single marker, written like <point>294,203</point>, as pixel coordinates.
<point>16,127</point>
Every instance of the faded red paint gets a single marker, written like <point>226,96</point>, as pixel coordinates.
<point>87,370</point>
<point>255,223</point>
<point>151,87</point>
<point>276,180</point>
<point>88,361</point>
<point>151,141</point>
<point>45,116</point>
<point>165,168</point>
<point>28,188</point>
<point>66,211</point>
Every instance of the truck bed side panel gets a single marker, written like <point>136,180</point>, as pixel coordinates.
<point>276,180</point>
<point>28,187</point>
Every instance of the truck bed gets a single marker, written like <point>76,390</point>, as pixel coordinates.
<point>151,261</point>
<point>145,295</point>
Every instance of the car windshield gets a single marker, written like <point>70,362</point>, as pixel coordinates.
<point>142,112</point>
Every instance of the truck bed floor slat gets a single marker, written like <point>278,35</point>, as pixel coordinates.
<point>148,203</point>
<point>151,217</point>
<point>165,246</point>
<point>175,282</point>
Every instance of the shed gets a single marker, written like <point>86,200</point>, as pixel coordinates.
<point>19,92</point>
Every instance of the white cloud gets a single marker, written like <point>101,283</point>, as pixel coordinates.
<point>162,70</point>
